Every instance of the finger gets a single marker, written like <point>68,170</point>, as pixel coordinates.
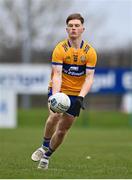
<point>52,110</point>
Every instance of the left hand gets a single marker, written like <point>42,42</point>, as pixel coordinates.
<point>78,105</point>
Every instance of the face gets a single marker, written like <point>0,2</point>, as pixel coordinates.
<point>74,28</point>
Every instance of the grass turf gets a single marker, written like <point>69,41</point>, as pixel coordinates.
<point>95,151</point>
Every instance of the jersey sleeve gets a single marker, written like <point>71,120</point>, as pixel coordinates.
<point>57,55</point>
<point>91,58</point>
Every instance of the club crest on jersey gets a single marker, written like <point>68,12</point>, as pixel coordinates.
<point>75,57</point>
<point>83,58</point>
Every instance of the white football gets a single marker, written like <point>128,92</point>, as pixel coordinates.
<point>59,102</point>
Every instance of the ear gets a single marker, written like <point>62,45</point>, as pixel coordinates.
<point>83,29</point>
<point>66,29</point>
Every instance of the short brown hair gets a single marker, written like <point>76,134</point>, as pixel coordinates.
<point>75,16</point>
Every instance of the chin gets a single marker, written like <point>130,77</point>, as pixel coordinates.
<point>73,36</point>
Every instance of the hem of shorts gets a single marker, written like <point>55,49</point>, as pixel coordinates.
<point>69,114</point>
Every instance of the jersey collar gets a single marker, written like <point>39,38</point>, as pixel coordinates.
<point>81,45</point>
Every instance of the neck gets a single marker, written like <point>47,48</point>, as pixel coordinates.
<point>75,42</point>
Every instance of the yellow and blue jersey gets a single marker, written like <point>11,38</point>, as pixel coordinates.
<point>74,62</point>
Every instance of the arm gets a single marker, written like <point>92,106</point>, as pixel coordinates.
<point>91,62</point>
<point>87,83</point>
<point>57,78</point>
<point>85,89</point>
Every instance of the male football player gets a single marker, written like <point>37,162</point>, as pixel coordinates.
<point>73,66</point>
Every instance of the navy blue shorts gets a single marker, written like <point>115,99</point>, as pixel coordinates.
<point>72,98</point>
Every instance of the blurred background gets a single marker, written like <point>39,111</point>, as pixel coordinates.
<point>29,31</point>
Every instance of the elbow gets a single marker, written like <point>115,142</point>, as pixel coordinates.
<point>57,78</point>
<point>92,80</point>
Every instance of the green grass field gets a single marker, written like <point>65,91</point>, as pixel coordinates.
<point>105,137</point>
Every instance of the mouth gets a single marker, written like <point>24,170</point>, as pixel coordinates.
<point>73,32</point>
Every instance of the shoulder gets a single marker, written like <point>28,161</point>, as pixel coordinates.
<point>59,51</point>
<point>62,45</point>
<point>88,48</point>
<point>90,51</point>
<point>90,54</point>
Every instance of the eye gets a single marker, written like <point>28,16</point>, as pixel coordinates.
<point>70,25</point>
<point>77,25</point>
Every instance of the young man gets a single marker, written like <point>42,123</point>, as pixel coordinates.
<point>73,64</point>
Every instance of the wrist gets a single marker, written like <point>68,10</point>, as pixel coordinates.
<point>81,98</point>
<point>55,91</point>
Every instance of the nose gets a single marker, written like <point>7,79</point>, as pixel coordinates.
<point>73,27</point>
